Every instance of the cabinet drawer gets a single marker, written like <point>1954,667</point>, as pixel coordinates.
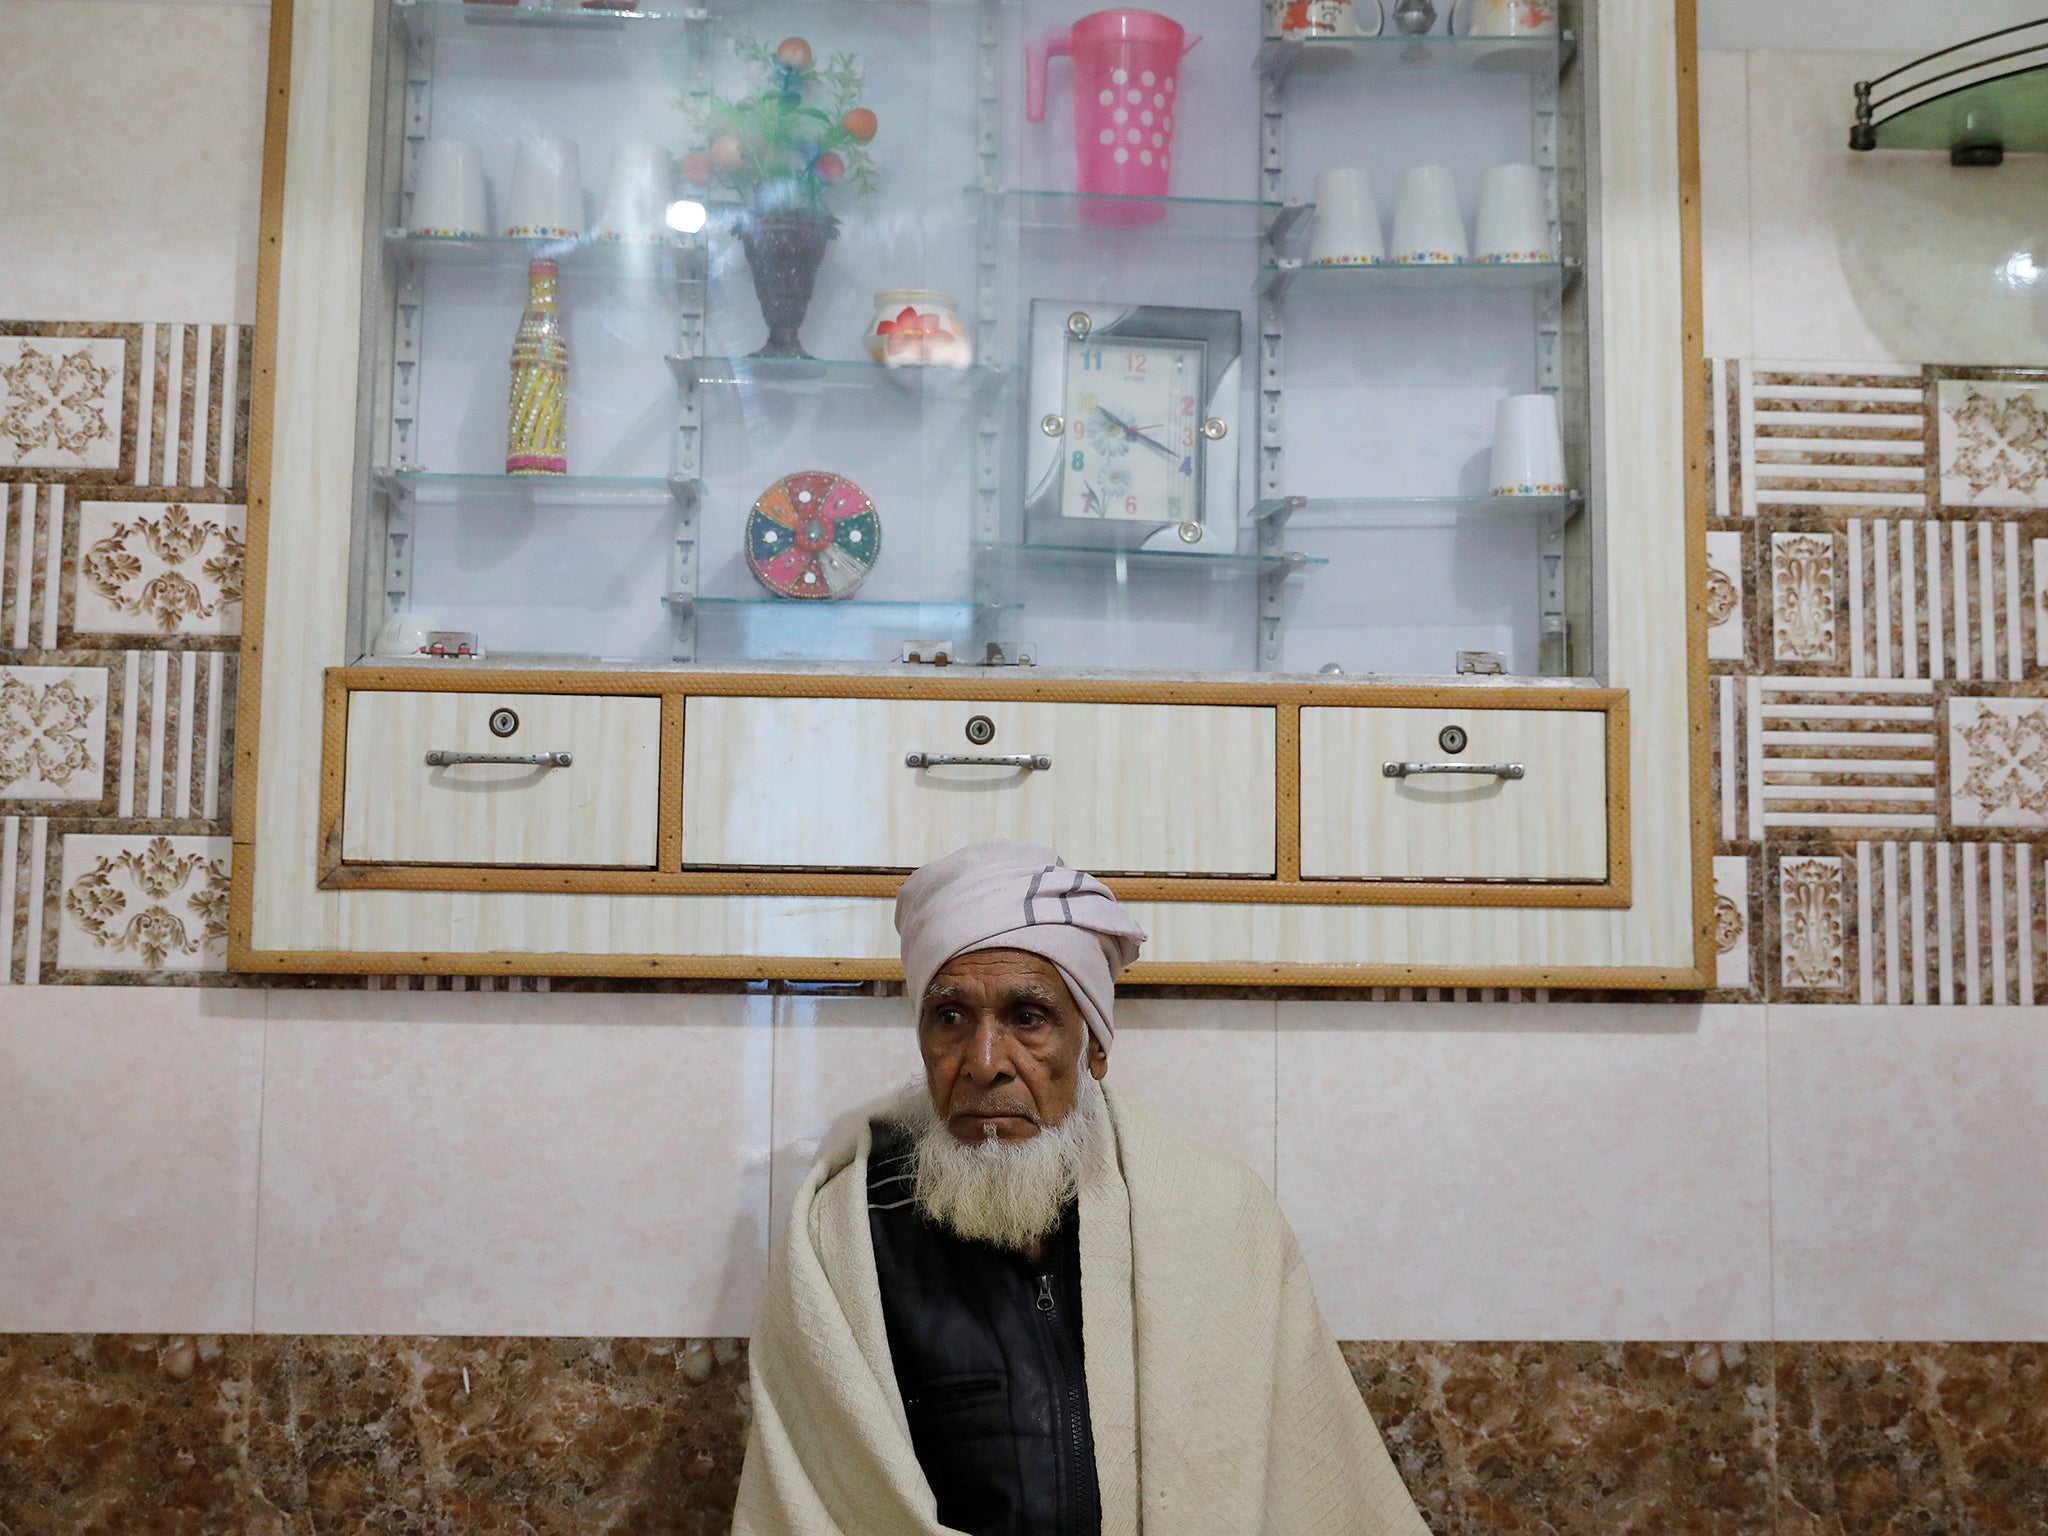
<point>1359,823</point>
<point>599,810</point>
<point>1131,788</point>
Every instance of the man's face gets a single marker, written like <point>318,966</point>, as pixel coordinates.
<point>1002,1041</point>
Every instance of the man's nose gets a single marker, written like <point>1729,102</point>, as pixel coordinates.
<point>988,1054</point>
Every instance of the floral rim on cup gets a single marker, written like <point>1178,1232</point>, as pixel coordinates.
<point>1532,490</point>
<point>542,232</point>
<point>1516,258</point>
<point>1430,259</point>
<point>1349,261</point>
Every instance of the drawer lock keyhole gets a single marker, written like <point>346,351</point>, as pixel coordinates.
<point>1452,739</point>
<point>981,730</point>
<point>503,722</point>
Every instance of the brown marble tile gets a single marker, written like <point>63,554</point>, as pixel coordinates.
<point>542,1436</point>
<point>1577,1439</point>
<point>1913,1439</point>
<point>122,1435</point>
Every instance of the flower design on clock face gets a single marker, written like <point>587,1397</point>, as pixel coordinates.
<point>1133,444</point>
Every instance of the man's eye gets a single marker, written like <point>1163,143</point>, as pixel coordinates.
<point>1031,1018</point>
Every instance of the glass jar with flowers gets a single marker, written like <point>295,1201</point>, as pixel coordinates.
<point>786,149</point>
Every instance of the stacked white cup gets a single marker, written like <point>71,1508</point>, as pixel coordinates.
<point>448,197</point>
<point>637,194</point>
<point>1528,447</point>
<point>547,190</point>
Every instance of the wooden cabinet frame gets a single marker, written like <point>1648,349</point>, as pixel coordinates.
<point>296,908</point>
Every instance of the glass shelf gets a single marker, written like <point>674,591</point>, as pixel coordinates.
<point>1182,218</point>
<point>1151,561</point>
<point>638,260</point>
<point>2008,112</point>
<point>1461,277</point>
<point>849,629</point>
<point>556,26</point>
<point>526,491</point>
<point>602,26</point>
<point>820,375</point>
<point>1388,53</point>
<point>1305,513</point>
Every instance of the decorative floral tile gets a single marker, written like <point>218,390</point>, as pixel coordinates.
<point>1998,762</point>
<point>1993,441</point>
<point>1731,922</point>
<point>1803,596</point>
<point>143,903</point>
<point>53,733</point>
<point>60,401</point>
<point>1812,931</point>
<point>159,569</point>
<point>1724,597</point>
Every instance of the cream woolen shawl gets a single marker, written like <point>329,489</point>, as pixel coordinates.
<point>1220,1404</point>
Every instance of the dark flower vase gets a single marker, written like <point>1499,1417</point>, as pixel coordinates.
<point>783,252</point>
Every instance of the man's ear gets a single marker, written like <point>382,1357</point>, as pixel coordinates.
<point>1098,1058</point>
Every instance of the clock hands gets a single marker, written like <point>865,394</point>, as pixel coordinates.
<point>1130,431</point>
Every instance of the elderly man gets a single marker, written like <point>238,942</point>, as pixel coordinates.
<point>1015,1302</point>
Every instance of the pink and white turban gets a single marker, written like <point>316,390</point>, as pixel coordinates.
<point>1005,895</point>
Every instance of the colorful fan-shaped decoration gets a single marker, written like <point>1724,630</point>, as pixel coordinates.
<point>813,535</point>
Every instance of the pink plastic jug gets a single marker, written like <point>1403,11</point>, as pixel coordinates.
<point>1126,96</point>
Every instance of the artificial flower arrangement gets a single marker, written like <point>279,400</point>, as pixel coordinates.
<point>777,149</point>
<point>782,153</point>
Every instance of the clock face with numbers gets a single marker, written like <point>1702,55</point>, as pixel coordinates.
<point>1133,448</point>
<point>1129,443</point>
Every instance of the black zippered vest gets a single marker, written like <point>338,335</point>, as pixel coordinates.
<point>987,1350</point>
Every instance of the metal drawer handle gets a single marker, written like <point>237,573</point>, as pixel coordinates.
<point>1038,760</point>
<point>438,759</point>
<point>1494,770</point>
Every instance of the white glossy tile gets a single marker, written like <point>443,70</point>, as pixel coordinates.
<point>1880,257</point>
<point>1724,203</point>
<point>1908,1153</point>
<point>128,1156</point>
<point>833,1055</point>
<point>1206,1066</point>
<point>134,161</point>
<point>1528,1172</point>
<point>562,1163</point>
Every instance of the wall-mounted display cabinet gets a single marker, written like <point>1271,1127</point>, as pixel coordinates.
<point>710,460</point>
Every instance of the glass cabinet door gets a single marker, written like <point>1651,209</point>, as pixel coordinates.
<point>881,330</point>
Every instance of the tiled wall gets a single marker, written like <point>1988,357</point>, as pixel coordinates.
<point>1878,643</point>
<point>534,1437</point>
<point>267,1167</point>
<point>123,453</point>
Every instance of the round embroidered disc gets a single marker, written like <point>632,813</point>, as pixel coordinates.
<point>813,535</point>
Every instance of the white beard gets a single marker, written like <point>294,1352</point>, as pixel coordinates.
<point>1006,1193</point>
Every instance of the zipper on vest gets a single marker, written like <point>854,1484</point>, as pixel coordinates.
<point>1073,1435</point>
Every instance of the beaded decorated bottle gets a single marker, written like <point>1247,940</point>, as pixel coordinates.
<point>537,441</point>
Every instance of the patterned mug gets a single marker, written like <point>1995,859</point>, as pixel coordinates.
<point>1505,18</point>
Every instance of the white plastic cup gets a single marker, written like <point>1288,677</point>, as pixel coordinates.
<point>1514,216</point>
<point>1347,229</point>
<point>448,197</point>
<point>1505,18</point>
<point>547,190</point>
<point>405,634</point>
<point>1528,447</point>
<point>637,193</point>
<point>1429,226</point>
